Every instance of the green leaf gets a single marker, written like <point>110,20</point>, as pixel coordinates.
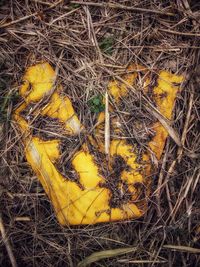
<point>96,104</point>
<point>96,101</point>
<point>74,6</point>
<point>106,45</point>
<point>102,108</point>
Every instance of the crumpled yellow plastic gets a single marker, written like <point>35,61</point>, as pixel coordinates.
<point>90,198</point>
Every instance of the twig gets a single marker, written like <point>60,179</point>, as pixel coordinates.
<point>107,126</point>
<point>185,129</point>
<point>183,194</point>
<point>92,34</point>
<point>174,135</point>
<point>7,243</point>
<point>160,181</point>
<point>5,25</point>
<point>151,108</point>
<point>122,7</point>
<point>142,261</point>
<point>183,248</point>
<point>180,33</point>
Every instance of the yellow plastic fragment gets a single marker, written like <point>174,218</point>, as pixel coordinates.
<point>88,201</point>
<point>118,89</point>
<point>37,82</point>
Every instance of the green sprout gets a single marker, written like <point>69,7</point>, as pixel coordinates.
<point>106,45</point>
<point>74,6</point>
<point>96,104</point>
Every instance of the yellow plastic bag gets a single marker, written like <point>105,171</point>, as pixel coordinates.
<point>83,186</point>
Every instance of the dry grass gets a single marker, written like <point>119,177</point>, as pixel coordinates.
<point>89,43</point>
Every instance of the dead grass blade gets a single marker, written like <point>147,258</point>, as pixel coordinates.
<point>172,133</point>
<point>183,248</point>
<point>153,110</point>
<point>142,261</point>
<point>104,255</point>
<point>107,126</point>
<point>7,243</point>
<point>5,25</point>
<point>180,33</point>
<point>123,7</point>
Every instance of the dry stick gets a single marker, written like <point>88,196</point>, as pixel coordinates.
<point>184,134</point>
<point>150,107</point>
<point>169,173</point>
<point>183,248</point>
<point>50,4</point>
<point>160,182</point>
<point>142,261</point>
<point>169,196</point>
<point>180,33</point>
<point>59,248</point>
<point>5,25</point>
<point>122,7</point>
<point>92,33</point>
<point>180,149</point>
<point>42,2</point>
<point>107,127</point>
<point>184,195</point>
<point>7,243</point>
<point>157,48</point>
<point>62,16</point>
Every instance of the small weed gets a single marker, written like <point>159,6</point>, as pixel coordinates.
<point>74,6</point>
<point>96,104</point>
<point>106,45</point>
